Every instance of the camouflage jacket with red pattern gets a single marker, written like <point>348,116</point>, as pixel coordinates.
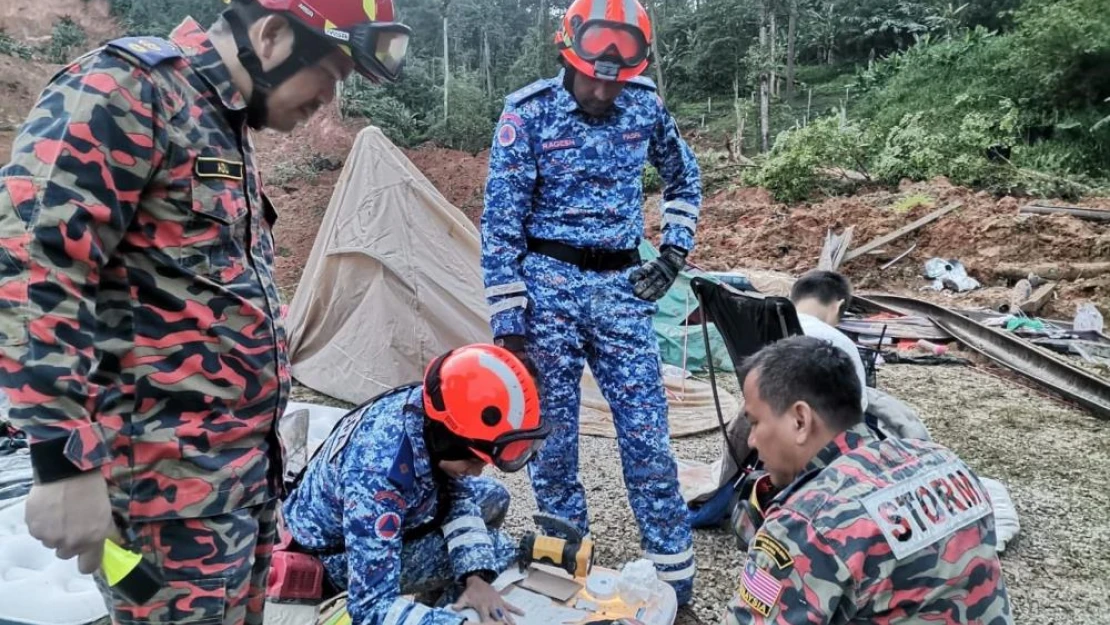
<point>892,531</point>
<point>140,329</point>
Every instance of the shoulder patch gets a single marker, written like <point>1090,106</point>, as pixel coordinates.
<point>524,93</point>
<point>759,589</point>
<point>150,51</point>
<point>401,473</point>
<point>642,81</point>
<point>774,549</point>
<point>924,509</point>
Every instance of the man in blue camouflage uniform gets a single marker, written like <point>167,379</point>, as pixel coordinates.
<point>392,503</point>
<point>562,223</point>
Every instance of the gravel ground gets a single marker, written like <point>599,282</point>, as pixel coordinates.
<point>1047,454</point>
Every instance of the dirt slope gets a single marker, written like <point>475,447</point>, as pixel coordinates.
<point>32,21</point>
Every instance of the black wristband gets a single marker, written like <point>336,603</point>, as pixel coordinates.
<point>49,461</point>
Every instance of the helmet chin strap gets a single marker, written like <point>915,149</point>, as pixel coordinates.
<point>442,444</point>
<point>308,49</point>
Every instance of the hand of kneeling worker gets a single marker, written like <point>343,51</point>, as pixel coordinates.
<point>485,600</point>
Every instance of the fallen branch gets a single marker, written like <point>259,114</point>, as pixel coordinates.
<point>1050,271</point>
<point>899,257</point>
<point>904,230</point>
<point>1075,211</point>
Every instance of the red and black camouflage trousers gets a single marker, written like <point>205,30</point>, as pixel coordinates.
<point>215,569</point>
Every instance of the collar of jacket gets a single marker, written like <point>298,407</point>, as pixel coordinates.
<point>566,103</point>
<point>853,438</point>
<point>414,428</point>
<point>206,61</point>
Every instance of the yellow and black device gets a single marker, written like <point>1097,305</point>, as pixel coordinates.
<point>573,554</point>
<point>128,573</point>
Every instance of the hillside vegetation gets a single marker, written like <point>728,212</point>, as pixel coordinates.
<point>810,96</point>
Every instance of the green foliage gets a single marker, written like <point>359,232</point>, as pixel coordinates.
<point>301,168</point>
<point>66,39</point>
<point>1039,90</point>
<point>385,108</point>
<point>11,47</point>
<point>159,17</point>
<point>653,182</point>
<point>469,124</point>
<point>910,202</point>
<point>918,150</point>
<point>796,164</point>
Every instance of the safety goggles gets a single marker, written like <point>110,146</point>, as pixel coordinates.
<point>602,39</point>
<point>378,49</point>
<point>512,451</point>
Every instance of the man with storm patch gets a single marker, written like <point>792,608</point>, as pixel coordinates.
<point>857,529</point>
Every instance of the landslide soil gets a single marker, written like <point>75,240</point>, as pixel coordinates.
<point>743,228</point>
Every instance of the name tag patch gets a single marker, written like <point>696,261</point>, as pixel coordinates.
<point>632,136</point>
<point>559,144</point>
<point>210,167</point>
<point>925,509</point>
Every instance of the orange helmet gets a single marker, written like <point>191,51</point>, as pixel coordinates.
<point>606,39</point>
<point>484,395</point>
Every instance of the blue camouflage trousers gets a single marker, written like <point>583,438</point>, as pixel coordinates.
<point>425,567</point>
<point>576,317</point>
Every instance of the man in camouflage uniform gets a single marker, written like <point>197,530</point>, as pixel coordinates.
<point>140,340</point>
<point>392,503</point>
<point>860,530</point>
<point>563,219</point>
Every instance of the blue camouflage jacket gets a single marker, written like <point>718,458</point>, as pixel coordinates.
<point>557,173</point>
<point>370,482</point>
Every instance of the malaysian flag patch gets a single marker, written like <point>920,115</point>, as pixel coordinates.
<point>759,589</point>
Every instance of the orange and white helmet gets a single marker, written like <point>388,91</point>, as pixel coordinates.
<point>485,396</point>
<point>606,39</point>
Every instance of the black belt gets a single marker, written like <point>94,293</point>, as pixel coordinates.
<point>585,258</point>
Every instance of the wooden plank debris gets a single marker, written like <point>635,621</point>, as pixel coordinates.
<point>836,246</point>
<point>1075,211</point>
<point>904,230</point>
<point>1035,302</point>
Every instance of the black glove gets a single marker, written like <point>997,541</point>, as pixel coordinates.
<point>516,344</point>
<point>651,280</point>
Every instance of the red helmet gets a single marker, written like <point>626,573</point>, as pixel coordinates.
<point>606,39</point>
<point>364,29</point>
<point>484,395</point>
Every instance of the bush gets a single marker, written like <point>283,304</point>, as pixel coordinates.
<point>359,98</point>
<point>11,47</point>
<point>793,168</point>
<point>67,37</point>
<point>159,17</point>
<point>917,150</point>
<point>1038,92</point>
<point>469,125</point>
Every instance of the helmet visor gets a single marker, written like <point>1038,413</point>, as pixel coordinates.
<point>598,39</point>
<point>379,49</point>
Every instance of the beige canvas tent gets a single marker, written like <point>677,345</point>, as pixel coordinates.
<point>394,280</point>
